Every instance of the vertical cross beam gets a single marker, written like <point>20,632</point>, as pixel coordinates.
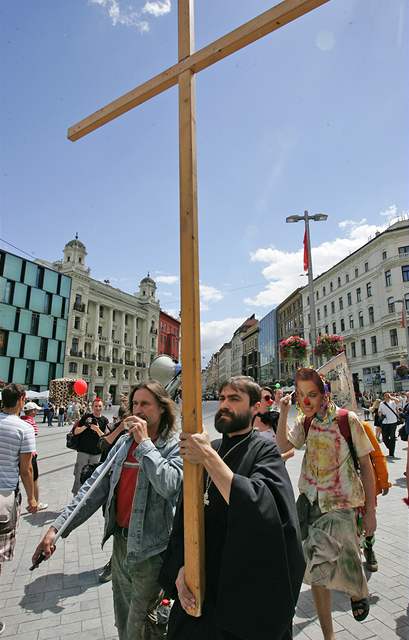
<point>190,309</point>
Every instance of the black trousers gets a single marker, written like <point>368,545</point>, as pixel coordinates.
<point>389,436</point>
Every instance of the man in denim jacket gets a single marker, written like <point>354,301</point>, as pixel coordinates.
<point>140,493</point>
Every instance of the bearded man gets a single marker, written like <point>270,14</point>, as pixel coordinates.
<point>253,557</point>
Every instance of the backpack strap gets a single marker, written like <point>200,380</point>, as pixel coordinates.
<point>343,424</point>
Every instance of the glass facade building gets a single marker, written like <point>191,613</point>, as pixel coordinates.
<point>34,305</point>
<point>267,346</point>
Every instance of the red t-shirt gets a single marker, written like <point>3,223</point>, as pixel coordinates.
<point>126,488</point>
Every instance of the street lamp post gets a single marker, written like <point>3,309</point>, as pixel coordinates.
<point>318,217</point>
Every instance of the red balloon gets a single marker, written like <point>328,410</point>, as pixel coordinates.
<point>80,387</point>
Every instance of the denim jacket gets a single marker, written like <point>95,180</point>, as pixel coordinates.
<point>159,483</point>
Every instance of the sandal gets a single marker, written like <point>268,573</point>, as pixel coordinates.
<point>360,609</point>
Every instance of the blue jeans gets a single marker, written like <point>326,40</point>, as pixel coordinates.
<point>135,587</point>
<point>61,420</point>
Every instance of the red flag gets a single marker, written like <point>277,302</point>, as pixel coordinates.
<point>403,316</point>
<point>305,251</point>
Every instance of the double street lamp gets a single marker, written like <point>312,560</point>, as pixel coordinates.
<point>318,217</point>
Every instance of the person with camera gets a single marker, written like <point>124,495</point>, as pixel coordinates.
<point>389,414</point>
<point>89,429</point>
<point>266,420</point>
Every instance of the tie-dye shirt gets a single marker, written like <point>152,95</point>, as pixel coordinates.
<point>328,470</point>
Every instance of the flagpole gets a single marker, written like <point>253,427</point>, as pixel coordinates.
<point>311,290</point>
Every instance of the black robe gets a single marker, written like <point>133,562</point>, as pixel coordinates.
<point>254,561</point>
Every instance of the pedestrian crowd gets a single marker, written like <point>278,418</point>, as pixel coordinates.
<point>260,543</point>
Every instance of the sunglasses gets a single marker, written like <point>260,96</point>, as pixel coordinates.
<point>267,398</point>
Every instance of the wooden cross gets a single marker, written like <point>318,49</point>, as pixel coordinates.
<point>182,74</point>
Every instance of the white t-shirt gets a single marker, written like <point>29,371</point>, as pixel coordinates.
<point>16,437</point>
<point>390,417</point>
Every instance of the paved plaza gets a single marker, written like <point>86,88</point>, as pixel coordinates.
<point>63,598</point>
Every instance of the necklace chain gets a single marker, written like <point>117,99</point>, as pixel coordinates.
<point>209,480</point>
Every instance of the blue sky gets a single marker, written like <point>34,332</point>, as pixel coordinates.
<point>313,116</point>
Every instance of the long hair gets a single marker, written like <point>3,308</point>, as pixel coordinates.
<point>167,425</point>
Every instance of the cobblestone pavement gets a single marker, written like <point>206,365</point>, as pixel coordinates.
<point>63,598</point>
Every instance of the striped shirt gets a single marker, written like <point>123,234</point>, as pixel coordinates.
<point>16,437</point>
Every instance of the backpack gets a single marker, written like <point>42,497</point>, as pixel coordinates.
<point>343,425</point>
<point>378,461</point>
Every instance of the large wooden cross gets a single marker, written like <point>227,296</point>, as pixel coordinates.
<point>182,73</point>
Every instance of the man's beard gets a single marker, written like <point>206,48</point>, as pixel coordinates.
<point>228,422</point>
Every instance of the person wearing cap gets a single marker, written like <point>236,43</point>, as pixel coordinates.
<point>30,412</point>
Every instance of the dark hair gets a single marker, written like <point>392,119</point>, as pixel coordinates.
<point>11,394</point>
<point>246,384</point>
<point>269,389</point>
<point>304,373</point>
<point>167,425</point>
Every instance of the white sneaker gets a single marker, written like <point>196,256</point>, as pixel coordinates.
<point>41,506</point>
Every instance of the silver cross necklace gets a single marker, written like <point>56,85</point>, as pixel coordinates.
<point>209,482</point>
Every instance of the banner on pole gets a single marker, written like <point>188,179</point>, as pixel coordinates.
<point>338,375</point>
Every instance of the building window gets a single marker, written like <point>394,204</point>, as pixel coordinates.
<point>78,299</point>
<point>72,367</point>
<point>317,295</point>
<point>349,299</point>
<point>325,311</point>
<point>388,277</point>
<point>334,327</point>
<point>361,319</point>
<point>77,321</point>
<point>309,318</point>
<point>85,369</point>
<point>356,272</point>
<point>339,281</point>
<point>373,345</point>
<point>407,301</point>
<point>308,300</point>
<point>353,350</point>
<point>341,303</point>
<point>393,333</point>
<point>384,255</point>
<point>405,273</point>
<point>369,289</point>
<point>331,286</point>
<point>351,322</point>
<point>113,334</point>
<point>324,291</point>
<point>100,372</point>
<point>326,329</point>
<point>366,267</point>
<point>347,278</point>
<point>332,307</point>
<point>363,347</point>
<point>318,314</point>
<point>101,311</point>
<point>358,295</point>
<point>404,251</point>
<point>126,319</point>
<point>391,305</point>
<point>100,330</point>
<point>34,324</point>
<point>371,315</point>
<point>342,324</point>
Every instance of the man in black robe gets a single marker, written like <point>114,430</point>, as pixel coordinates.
<point>253,556</point>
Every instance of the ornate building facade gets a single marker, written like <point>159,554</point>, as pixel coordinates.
<point>112,336</point>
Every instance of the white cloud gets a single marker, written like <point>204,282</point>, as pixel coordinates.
<point>209,294</point>
<point>172,312</point>
<point>125,16</point>
<point>167,279</point>
<point>215,332</point>
<point>283,268</point>
<point>157,8</point>
<point>325,40</point>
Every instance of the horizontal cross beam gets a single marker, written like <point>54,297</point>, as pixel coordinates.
<point>247,33</point>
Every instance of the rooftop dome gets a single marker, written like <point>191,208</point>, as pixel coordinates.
<point>148,279</point>
<point>76,243</point>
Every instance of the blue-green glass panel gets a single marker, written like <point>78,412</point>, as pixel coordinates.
<point>61,329</point>
<point>56,306</point>
<point>41,373</point>
<point>31,274</point>
<point>19,371</point>
<point>62,352</point>
<point>52,351</point>
<point>45,326</point>
<point>59,371</point>
<point>37,300</point>
<point>50,281</point>
<point>4,368</point>
<point>24,325</point>
<point>20,295</point>
<point>3,282</point>
<point>65,286</point>
<point>13,344</point>
<point>7,316</point>
<point>32,347</point>
<point>12,267</point>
